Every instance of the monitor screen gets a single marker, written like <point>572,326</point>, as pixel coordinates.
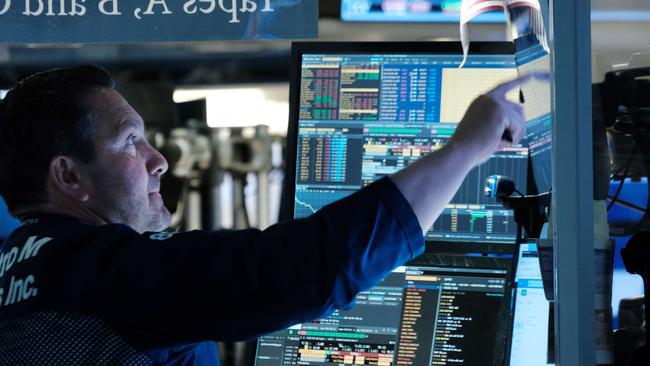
<point>447,11</point>
<point>360,112</point>
<point>530,324</point>
<point>440,309</point>
<point>531,57</point>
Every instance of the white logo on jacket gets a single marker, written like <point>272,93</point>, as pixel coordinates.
<point>163,235</point>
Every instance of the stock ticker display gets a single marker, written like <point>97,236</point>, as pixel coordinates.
<point>421,314</point>
<point>363,117</point>
<point>410,11</point>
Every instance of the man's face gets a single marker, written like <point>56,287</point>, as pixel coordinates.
<point>124,180</point>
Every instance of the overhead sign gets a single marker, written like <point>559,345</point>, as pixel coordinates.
<point>127,21</point>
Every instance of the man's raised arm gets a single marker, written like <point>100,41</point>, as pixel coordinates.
<point>430,183</point>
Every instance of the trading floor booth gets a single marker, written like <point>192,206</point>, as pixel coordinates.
<point>363,111</point>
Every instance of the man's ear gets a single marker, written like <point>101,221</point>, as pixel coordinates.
<point>66,178</point>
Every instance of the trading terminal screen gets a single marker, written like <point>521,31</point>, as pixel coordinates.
<point>438,310</point>
<point>364,116</point>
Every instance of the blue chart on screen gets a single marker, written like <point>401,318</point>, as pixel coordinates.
<point>308,202</point>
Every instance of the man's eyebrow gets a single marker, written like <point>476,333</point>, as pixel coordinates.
<point>126,125</point>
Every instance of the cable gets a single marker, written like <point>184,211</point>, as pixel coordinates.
<point>644,146</point>
<point>614,174</point>
<point>627,204</point>
<point>625,167</point>
<point>627,163</point>
<point>620,187</point>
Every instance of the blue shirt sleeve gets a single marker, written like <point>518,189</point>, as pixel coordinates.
<point>234,285</point>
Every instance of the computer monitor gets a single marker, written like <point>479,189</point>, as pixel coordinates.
<point>435,11</point>
<point>362,111</point>
<point>440,309</point>
<point>530,325</point>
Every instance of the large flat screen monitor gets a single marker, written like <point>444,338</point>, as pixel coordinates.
<point>433,11</point>
<point>363,111</point>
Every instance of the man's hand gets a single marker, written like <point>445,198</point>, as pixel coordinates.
<point>489,117</point>
<point>430,183</point>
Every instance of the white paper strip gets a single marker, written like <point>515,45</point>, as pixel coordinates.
<point>471,8</point>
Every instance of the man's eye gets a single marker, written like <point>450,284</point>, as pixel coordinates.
<point>130,140</point>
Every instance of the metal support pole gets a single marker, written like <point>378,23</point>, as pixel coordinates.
<point>570,32</point>
<point>263,200</point>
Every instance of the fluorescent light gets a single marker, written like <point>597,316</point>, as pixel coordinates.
<point>620,16</point>
<point>243,106</point>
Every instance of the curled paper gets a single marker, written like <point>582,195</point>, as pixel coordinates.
<point>525,17</point>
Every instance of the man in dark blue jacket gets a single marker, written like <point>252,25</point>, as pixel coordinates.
<point>90,277</point>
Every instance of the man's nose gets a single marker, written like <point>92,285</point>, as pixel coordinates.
<point>157,164</point>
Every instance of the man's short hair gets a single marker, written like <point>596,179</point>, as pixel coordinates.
<point>44,115</point>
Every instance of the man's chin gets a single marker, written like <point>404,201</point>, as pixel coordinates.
<point>158,221</point>
<point>164,219</point>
